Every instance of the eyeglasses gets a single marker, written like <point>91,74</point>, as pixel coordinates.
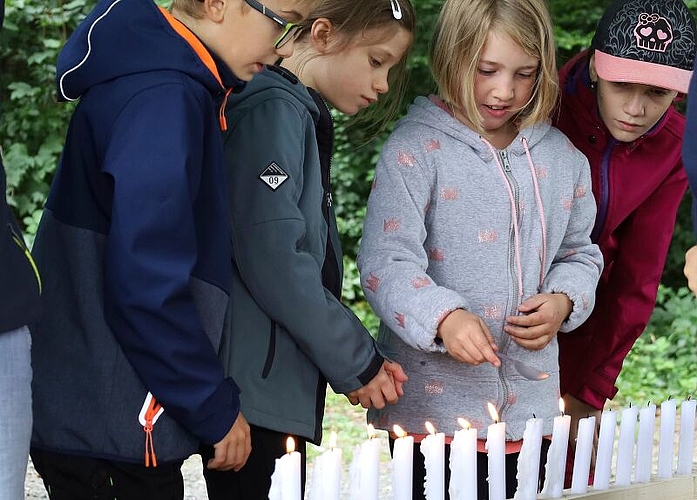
<point>291,31</point>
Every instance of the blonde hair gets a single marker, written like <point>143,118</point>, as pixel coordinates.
<point>352,19</point>
<point>459,38</point>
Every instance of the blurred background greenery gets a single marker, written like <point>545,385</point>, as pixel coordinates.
<point>33,125</point>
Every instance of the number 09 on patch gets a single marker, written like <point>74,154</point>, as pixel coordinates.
<point>273,176</point>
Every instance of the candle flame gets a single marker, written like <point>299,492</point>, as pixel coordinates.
<point>332,440</point>
<point>371,431</point>
<point>399,432</point>
<point>492,411</point>
<point>561,405</point>
<point>430,428</point>
<point>290,445</point>
<point>463,423</point>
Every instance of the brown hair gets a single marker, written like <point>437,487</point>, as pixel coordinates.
<point>459,38</point>
<point>353,19</point>
<point>192,8</point>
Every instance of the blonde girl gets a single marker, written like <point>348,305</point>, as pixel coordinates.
<point>477,235</point>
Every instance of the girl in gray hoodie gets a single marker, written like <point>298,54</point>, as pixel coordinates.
<point>477,235</point>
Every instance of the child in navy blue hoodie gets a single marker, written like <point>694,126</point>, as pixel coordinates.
<point>134,245</point>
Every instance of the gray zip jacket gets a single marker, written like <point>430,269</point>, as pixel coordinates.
<point>287,335</point>
<point>454,223</point>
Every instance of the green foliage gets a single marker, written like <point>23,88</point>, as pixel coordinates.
<point>33,125</point>
<point>662,362</point>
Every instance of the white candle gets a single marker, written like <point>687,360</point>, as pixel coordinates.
<point>556,456</point>
<point>529,460</point>
<point>326,482</point>
<point>285,480</point>
<point>433,450</point>
<point>402,464</point>
<point>463,463</point>
<point>666,444</point>
<point>582,455</point>
<point>644,447</point>
<point>625,446</point>
<point>687,436</point>
<point>606,441</point>
<point>365,468</point>
<point>496,454</point>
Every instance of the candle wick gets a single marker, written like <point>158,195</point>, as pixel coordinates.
<point>533,416</point>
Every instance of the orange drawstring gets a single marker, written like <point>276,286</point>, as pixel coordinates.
<point>150,414</point>
<point>221,112</point>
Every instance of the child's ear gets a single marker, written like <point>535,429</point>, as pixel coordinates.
<point>322,34</point>
<point>591,69</point>
<point>215,9</point>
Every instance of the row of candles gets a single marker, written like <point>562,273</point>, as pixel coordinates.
<point>364,472</point>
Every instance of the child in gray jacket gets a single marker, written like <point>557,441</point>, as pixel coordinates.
<point>477,235</point>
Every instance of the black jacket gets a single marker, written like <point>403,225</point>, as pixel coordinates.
<point>20,285</point>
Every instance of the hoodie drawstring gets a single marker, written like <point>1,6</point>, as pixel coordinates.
<point>514,212</point>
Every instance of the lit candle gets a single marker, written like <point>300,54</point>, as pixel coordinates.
<point>402,464</point>
<point>463,463</point>
<point>687,436</point>
<point>529,460</point>
<point>556,456</point>
<point>644,447</point>
<point>625,446</point>
<point>496,454</point>
<point>365,468</point>
<point>606,441</point>
<point>326,482</point>
<point>582,455</point>
<point>666,444</point>
<point>285,480</point>
<point>433,450</point>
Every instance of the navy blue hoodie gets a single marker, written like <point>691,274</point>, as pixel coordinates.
<point>20,285</point>
<point>134,244</point>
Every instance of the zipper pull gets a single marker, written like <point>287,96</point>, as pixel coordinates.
<point>504,159</point>
<point>329,200</point>
<point>149,414</point>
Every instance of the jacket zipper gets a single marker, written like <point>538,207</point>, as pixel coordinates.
<point>513,299</point>
<point>604,192</point>
<point>20,243</point>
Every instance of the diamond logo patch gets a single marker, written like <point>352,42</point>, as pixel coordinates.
<point>273,176</point>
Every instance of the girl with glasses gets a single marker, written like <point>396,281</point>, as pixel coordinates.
<point>288,333</point>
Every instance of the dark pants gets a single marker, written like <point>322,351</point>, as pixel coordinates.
<point>253,481</point>
<point>482,472</point>
<point>72,477</point>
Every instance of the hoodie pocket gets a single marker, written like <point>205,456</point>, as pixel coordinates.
<point>270,352</point>
<point>19,241</point>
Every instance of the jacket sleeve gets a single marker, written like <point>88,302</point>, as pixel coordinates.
<point>628,292</point>
<point>393,260</point>
<point>577,265</point>
<point>268,228</point>
<point>689,148</point>
<point>155,160</point>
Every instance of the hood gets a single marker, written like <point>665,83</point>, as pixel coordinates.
<point>123,37</point>
<point>432,112</point>
<point>258,89</point>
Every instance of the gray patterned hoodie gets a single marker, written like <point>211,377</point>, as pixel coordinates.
<point>454,223</point>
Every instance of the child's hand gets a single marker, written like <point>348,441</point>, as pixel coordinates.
<point>467,338</point>
<point>690,269</point>
<point>385,387</point>
<point>542,316</point>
